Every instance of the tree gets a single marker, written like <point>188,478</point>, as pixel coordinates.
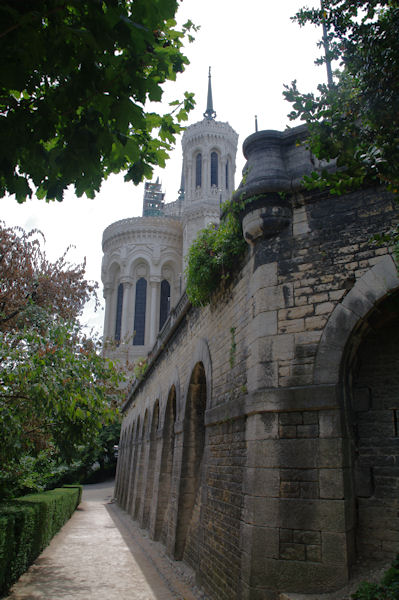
<point>75,76</point>
<point>355,121</point>
<point>28,277</point>
<point>56,390</point>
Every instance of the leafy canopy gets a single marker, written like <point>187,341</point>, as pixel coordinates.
<point>56,390</point>
<point>74,79</point>
<point>356,120</point>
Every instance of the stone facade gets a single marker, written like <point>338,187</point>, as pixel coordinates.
<point>262,446</point>
<point>144,257</point>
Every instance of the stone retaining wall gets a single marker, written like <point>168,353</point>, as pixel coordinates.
<point>260,448</point>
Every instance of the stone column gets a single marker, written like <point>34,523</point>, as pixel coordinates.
<point>155,284</point>
<point>107,293</point>
<point>126,331</point>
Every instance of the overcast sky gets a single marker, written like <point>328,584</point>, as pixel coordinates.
<point>254,49</point>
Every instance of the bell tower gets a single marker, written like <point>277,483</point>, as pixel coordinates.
<point>209,164</point>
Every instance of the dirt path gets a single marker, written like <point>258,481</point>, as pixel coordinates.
<point>101,554</point>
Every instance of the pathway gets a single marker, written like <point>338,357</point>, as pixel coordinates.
<point>101,554</point>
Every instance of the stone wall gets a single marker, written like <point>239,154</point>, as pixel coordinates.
<point>249,449</point>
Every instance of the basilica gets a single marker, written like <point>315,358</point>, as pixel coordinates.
<point>144,257</point>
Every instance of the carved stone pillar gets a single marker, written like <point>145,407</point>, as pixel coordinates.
<point>107,293</point>
<point>155,284</point>
<point>126,320</point>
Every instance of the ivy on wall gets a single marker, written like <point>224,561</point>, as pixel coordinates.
<point>214,254</point>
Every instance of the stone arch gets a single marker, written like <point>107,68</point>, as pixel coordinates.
<point>150,467</point>
<point>127,456</point>
<point>373,286</point>
<point>343,349</point>
<point>371,399</point>
<point>191,469</point>
<point>166,469</point>
<point>140,467</point>
<point>133,470</point>
<point>200,355</point>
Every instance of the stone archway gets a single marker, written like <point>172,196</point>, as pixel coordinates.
<point>190,479</point>
<point>371,375</point>
<point>166,471</point>
<point>378,282</point>
<point>150,467</point>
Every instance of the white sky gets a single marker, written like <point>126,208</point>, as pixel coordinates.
<point>254,49</point>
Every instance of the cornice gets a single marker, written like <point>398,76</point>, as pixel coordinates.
<point>142,230</point>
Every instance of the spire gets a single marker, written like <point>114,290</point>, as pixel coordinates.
<point>209,113</point>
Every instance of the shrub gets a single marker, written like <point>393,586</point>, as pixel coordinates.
<point>27,525</point>
<point>387,589</point>
<point>212,257</point>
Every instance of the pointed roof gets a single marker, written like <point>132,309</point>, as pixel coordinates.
<point>209,113</point>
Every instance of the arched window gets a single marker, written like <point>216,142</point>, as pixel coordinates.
<point>214,169</point>
<point>227,175</point>
<point>164,306</point>
<point>198,170</point>
<point>118,319</point>
<point>139,312</point>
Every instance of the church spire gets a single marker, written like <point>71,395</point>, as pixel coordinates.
<point>209,113</point>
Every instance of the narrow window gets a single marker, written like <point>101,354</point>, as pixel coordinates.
<point>164,306</point>
<point>227,175</point>
<point>198,170</point>
<point>214,169</point>
<point>118,320</point>
<point>139,312</point>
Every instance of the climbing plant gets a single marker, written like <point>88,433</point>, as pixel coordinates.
<point>214,254</point>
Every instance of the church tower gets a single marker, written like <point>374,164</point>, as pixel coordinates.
<point>209,164</point>
<point>144,257</point>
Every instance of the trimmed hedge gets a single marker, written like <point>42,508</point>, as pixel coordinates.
<point>27,525</point>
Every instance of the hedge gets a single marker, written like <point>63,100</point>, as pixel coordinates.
<point>27,525</point>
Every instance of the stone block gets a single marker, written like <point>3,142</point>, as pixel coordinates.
<point>262,325</point>
<point>271,298</point>
<point>263,453</point>
<point>283,347</point>
<point>292,551</point>
<point>287,431</point>
<point>298,312</point>
<point>262,426</point>
<point>264,276</point>
<point>261,511</point>
<point>261,482</point>
<point>308,431</point>
<point>329,453</point>
<point>291,326</point>
<point>289,489</point>
<point>334,547</point>
<point>317,322</point>
<point>324,515</point>
<point>331,483</point>
<point>324,308</point>
<point>330,424</point>
<point>307,537</point>
<point>313,553</point>
<point>291,418</point>
<point>262,375</point>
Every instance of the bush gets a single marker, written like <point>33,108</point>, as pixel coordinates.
<point>212,258</point>
<point>387,589</point>
<point>27,525</point>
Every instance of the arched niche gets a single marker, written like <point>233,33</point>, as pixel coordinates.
<point>371,396</point>
<point>163,515</point>
<point>191,470</point>
<point>150,469</point>
<point>140,468</point>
